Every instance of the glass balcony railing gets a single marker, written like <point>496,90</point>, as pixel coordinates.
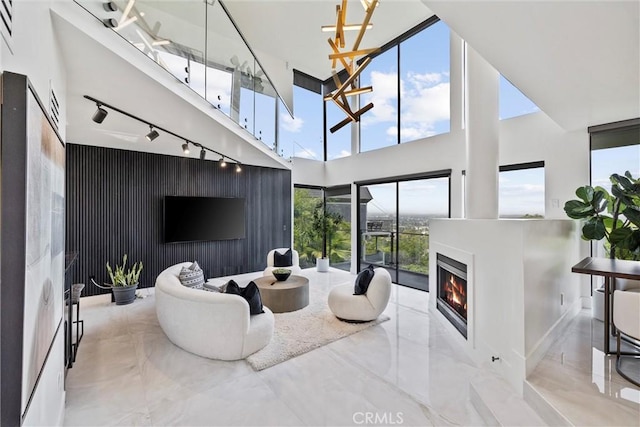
<point>198,43</point>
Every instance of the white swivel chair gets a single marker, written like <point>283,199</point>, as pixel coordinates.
<point>626,318</point>
<point>295,264</point>
<point>361,308</point>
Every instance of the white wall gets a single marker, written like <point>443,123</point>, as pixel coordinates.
<point>517,271</point>
<point>35,53</point>
<point>535,137</point>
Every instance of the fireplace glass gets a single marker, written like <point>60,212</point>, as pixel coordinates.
<point>452,292</point>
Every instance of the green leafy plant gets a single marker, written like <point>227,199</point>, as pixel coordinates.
<point>281,271</point>
<point>614,217</point>
<point>121,276</point>
<point>326,225</point>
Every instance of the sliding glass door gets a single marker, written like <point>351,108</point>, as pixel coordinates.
<point>395,233</point>
<point>313,207</point>
<point>378,237</point>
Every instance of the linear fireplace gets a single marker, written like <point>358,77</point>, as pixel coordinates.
<point>452,292</point>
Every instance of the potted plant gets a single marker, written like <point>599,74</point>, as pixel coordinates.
<point>325,224</point>
<point>124,282</point>
<point>614,217</point>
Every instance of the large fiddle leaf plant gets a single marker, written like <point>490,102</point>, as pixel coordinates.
<point>614,217</point>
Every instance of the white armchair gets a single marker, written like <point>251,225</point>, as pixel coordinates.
<point>295,258</point>
<point>361,308</point>
<point>626,318</point>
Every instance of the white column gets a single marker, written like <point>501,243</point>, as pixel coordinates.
<point>457,104</point>
<point>482,137</point>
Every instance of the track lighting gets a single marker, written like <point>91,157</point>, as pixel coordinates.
<point>110,6</point>
<point>153,134</point>
<point>100,114</point>
<point>110,23</point>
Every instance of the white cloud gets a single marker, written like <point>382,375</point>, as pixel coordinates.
<point>392,131</point>
<point>427,78</point>
<point>426,104</point>
<point>290,124</point>
<point>424,97</point>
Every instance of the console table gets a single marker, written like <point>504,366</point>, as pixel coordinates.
<point>609,269</point>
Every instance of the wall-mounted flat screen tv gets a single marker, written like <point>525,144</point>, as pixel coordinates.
<point>196,219</point>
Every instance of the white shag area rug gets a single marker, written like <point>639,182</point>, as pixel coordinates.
<point>303,330</point>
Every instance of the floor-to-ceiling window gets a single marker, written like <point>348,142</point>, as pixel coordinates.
<point>302,134</point>
<point>615,150</point>
<point>308,202</point>
<point>395,231</point>
<point>379,126</point>
<point>521,191</point>
<point>512,102</point>
<point>338,236</point>
<point>338,142</point>
<point>322,225</point>
<point>424,83</point>
<point>411,91</point>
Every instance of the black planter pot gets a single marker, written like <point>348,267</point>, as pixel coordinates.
<point>124,295</point>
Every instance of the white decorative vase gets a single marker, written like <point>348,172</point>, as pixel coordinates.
<point>322,265</point>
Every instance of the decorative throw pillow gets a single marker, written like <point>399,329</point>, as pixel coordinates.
<point>232,288</point>
<point>192,276</point>
<point>363,280</point>
<point>283,260</point>
<point>251,293</point>
<point>215,288</point>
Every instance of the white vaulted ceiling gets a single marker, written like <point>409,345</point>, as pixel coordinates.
<point>579,61</point>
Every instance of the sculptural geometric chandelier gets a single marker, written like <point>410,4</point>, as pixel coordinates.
<point>349,60</point>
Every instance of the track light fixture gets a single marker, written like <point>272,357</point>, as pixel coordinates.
<point>100,114</point>
<point>110,23</point>
<point>110,6</point>
<point>153,134</point>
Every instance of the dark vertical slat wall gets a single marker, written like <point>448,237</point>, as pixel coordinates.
<point>114,206</point>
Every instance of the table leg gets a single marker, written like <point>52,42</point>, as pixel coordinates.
<point>607,290</point>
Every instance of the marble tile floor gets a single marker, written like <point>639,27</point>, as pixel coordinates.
<point>406,371</point>
<point>581,384</point>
